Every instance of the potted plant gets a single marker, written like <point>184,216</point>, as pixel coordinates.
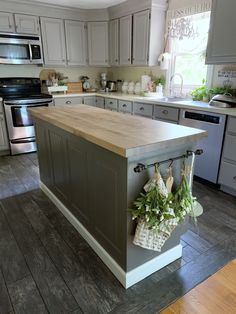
<point>160,83</point>
<point>200,93</point>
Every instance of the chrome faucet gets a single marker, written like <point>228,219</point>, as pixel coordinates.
<point>181,84</point>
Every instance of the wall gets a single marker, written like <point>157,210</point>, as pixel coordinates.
<point>34,71</point>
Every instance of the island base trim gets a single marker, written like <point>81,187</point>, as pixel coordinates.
<point>127,279</point>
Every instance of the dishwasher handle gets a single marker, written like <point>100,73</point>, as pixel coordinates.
<point>202,117</point>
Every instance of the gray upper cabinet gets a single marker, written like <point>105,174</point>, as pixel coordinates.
<point>98,43</point>
<point>7,22</point>
<point>27,24</point>
<point>125,40</point>
<point>53,37</point>
<point>221,46</point>
<point>141,38</point>
<point>114,42</point>
<point>76,43</point>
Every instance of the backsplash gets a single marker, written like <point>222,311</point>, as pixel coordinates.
<point>34,71</point>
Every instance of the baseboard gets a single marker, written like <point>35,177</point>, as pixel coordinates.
<point>127,279</point>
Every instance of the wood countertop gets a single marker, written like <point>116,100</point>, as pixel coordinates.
<point>120,133</point>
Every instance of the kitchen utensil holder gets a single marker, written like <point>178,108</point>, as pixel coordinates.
<point>140,167</point>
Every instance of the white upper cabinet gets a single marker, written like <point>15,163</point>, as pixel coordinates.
<point>98,43</point>
<point>76,43</point>
<point>7,22</point>
<point>114,42</point>
<point>141,37</point>
<point>221,42</point>
<point>27,24</point>
<point>53,37</point>
<point>125,40</point>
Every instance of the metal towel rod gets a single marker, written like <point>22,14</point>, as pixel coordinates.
<point>140,167</point>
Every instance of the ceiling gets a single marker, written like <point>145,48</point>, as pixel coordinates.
<point>82,4</point>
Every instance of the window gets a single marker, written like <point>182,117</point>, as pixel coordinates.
<point>188,52</point>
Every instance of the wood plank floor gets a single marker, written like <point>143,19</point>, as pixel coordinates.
<point>215,295</point>
<point>46,267</point>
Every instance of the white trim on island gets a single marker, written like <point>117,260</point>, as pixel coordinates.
<point>126,279</point>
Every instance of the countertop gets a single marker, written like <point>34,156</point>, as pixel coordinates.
<point>176,103</point>
<point>122,134</point>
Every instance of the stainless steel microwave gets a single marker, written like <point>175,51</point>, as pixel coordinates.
<point>20,49</point>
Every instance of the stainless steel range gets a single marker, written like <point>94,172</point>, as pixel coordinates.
<point>18,95</point>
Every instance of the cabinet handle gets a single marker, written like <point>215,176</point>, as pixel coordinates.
<point>111,103</point>
<point>63,60</point>
<point>68,102</point>
<point>165,111</point>
<point>116,60</point>
<point>141,109</point>
<point>124,105</point>
<point>128,59</point>
<point>234,178</point>
<point>10,26</point>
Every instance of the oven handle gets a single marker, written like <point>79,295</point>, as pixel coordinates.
<point>30,104</point>
<point>24,140</point>
<point>30,52</point>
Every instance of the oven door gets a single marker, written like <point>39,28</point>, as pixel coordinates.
<point>19,121</point>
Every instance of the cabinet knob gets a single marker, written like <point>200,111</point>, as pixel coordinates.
<point>141,109</point>
<point>165,111</point>
<point>68,102</point>
<point>234,178</point>
<point>128,59</point>
<point>124,105</point>
<point>116,60</point>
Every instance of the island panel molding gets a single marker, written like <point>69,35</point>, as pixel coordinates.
<point>94,187</point>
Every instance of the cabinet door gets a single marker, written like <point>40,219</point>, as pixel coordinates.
<point>27,24</point>
<point>140,38</point>
<point>98,43</point>
<point>100,102</point>
<point>221,42</point>
<point>6,22</point>
<point>125,40</point>
<point>90,101</point>
<point>76,44</point>
<point>53,37</point>
<point>114,42</point>
<point>3,134</point>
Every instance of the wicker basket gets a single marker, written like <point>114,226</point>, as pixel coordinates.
<point>151,239</point>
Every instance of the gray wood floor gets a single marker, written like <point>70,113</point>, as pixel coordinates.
<point>46,267</point>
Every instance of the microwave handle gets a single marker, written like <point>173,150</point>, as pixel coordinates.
<point>30,52</point>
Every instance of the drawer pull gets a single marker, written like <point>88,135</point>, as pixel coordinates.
<point>234,178</point>
<point>111,103</point>
<point>68,102</point>
<point>124,105</point>
<point>165,111</point>
<point>141,109</point>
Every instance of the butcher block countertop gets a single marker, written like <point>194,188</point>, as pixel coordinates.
<point>120,133</point>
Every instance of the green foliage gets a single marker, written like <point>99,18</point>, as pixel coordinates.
<point>221,90</point>
<point>153,207</point>
<point>160,80</point>
<point>200,92</point>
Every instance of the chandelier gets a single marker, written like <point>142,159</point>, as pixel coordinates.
<point>182,27</point>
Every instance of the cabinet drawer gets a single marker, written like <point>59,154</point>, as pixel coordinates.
<point>111,104</point>
<point>230,147</point>
<point>143,109</point>
<point>68,101</point>
<point>168,121</point>
<point>125,106</point>
<point>231,125</point>
<point>228,175</point>
<point>166,113</point>
<point>100,102</point>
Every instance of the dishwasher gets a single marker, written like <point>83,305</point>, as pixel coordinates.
<point>206,165</point>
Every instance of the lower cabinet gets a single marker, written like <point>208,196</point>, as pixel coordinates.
<point>227,176</point>
<point>125,106</point>
<point>4,145</point>
<point>145,110</point>
<point>166,114</point>
<point>100,102</point>
<point>68,101</point>
<point>90,100</point>
<point>111,104</point>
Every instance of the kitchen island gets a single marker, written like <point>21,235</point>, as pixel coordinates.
<point>87,158</point>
